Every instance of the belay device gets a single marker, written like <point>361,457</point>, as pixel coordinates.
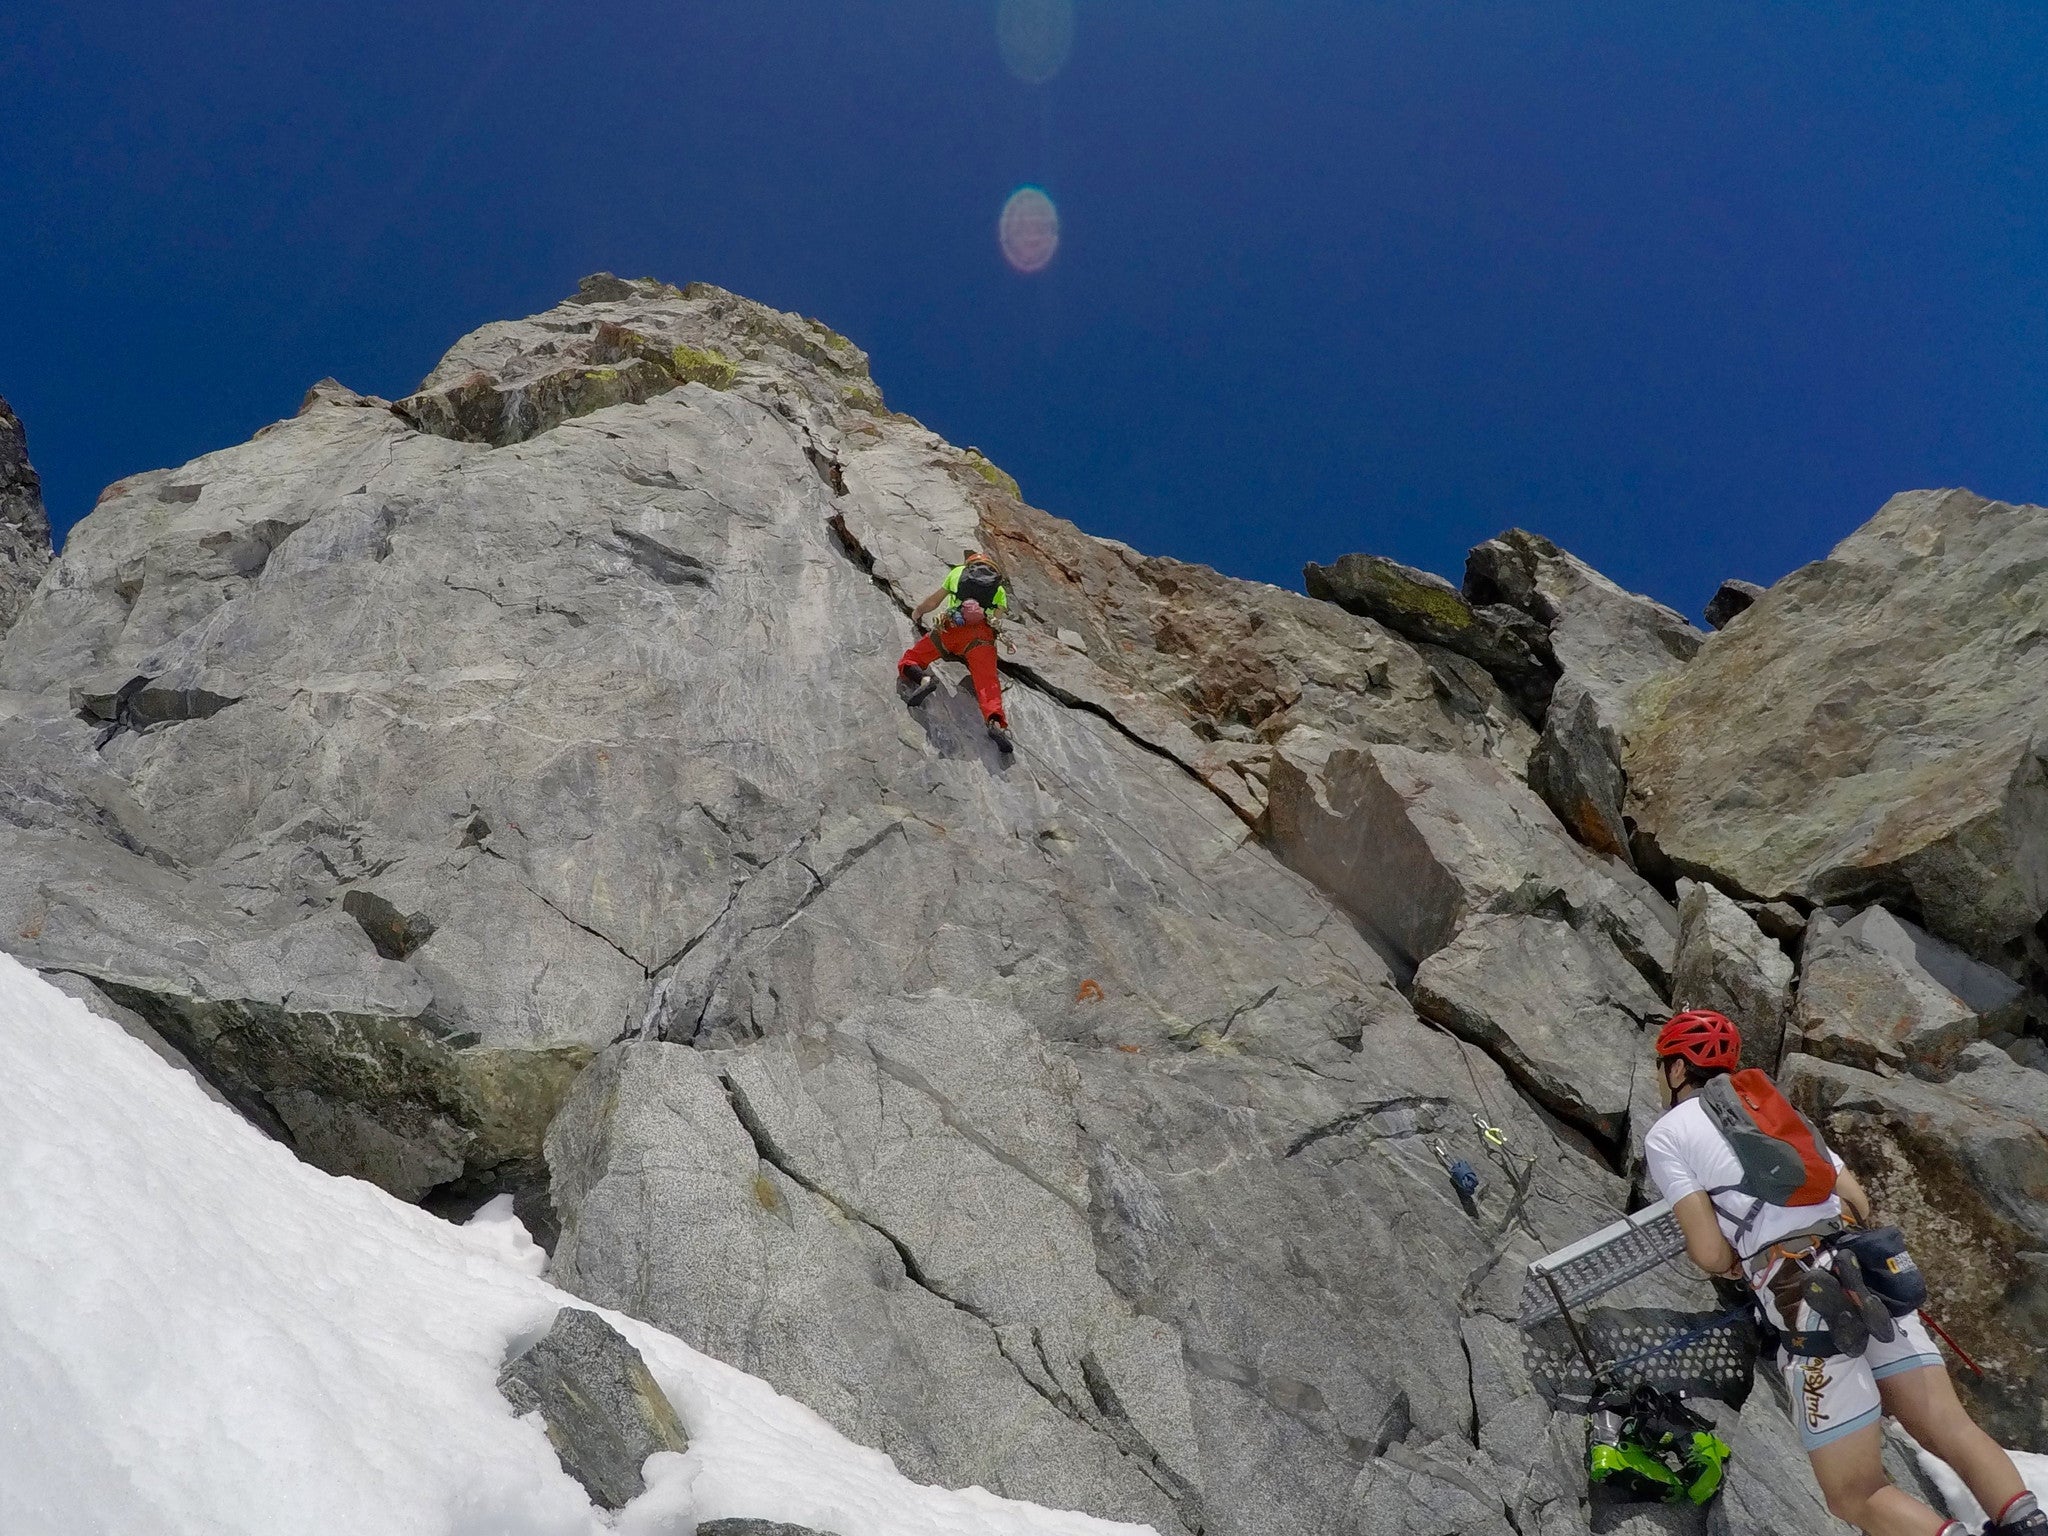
<point>1631,1370</point>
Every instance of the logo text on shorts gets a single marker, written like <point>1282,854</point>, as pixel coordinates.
<point>1813,1384</point>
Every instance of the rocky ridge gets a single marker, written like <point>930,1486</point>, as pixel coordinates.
<point>24,525</point>
<point>504,789</point>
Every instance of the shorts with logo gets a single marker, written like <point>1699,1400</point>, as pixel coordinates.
<point>1838,1396</point>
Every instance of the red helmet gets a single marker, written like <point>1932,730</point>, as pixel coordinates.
<point>1703,1037</point>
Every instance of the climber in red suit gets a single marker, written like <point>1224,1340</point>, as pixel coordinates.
<point>973,593</point>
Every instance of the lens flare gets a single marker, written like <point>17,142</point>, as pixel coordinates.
<point>1029,230</point>
<point>1035,36</point>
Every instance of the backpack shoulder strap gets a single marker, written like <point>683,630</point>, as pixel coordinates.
<point>1743,1224</point>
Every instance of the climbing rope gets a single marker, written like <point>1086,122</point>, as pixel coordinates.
<point>1464,1177</point>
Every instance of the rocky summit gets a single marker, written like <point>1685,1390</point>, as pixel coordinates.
<point>506,789</point>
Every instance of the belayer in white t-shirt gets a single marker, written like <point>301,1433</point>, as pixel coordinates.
<point>1847,1360</point>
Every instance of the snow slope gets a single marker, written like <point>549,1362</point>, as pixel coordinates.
<point>201,1334</point>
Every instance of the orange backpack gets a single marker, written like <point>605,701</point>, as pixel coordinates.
<point>1784,1160</point>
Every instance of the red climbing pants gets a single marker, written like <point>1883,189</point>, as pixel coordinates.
<point>974,644</point>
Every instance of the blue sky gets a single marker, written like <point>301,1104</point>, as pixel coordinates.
<point>1690,293</point>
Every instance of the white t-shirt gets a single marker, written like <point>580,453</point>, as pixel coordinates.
<point>1685,1152</point>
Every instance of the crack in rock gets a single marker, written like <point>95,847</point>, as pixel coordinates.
<point>1126,1444</point>
<point>1302,1402</point>
<point>961,1126</point>
<point>669,566</point>
<point>1413,1115</point>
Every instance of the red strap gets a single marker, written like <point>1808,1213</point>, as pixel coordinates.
<point>1945,1337</point>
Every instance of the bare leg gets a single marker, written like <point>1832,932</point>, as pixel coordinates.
<point>1851,1476</point>
<point>1925,1402</point>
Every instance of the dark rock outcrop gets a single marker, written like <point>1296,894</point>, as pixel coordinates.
<point>24,525</point>
<point>604,1412</point>
<point>1729,599</point>
<point>1510,643</point>
<point>1565,644</point>
<point>1609,643</point>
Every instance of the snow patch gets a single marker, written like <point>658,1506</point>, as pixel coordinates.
<point>499,1233</point>
<point>202,1336</point>
<point>1961,1506</point>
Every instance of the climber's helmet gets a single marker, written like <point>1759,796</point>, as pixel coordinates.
<point>1703,1037</point>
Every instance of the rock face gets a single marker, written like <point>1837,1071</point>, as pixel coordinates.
<point>1559,1006</point>
<point>1413,843</point>
<point>397,777</point>
<point>1873,729</point>
<point>1608,643</point>
<point>1963,1167</point>
<point>1727,963</point>
<point>24,526</point>
<point>604,1413</point>
<point>508,790</point>
<point>1877,992</point>
<point>1568,647</point>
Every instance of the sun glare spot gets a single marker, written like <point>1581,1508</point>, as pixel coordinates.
<point>1035,36</point>
<point>1029,230</point>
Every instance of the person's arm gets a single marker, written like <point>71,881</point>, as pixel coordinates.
<point>1705,1244</point>
<point>1853,1194</point>
<point>917,614</point>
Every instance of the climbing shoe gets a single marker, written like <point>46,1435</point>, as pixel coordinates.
<point>999,733</point>
<point>1877,1318</point>
<point>921,681</point>
<point>2022,1517</point>
<point>1842,1317</point>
